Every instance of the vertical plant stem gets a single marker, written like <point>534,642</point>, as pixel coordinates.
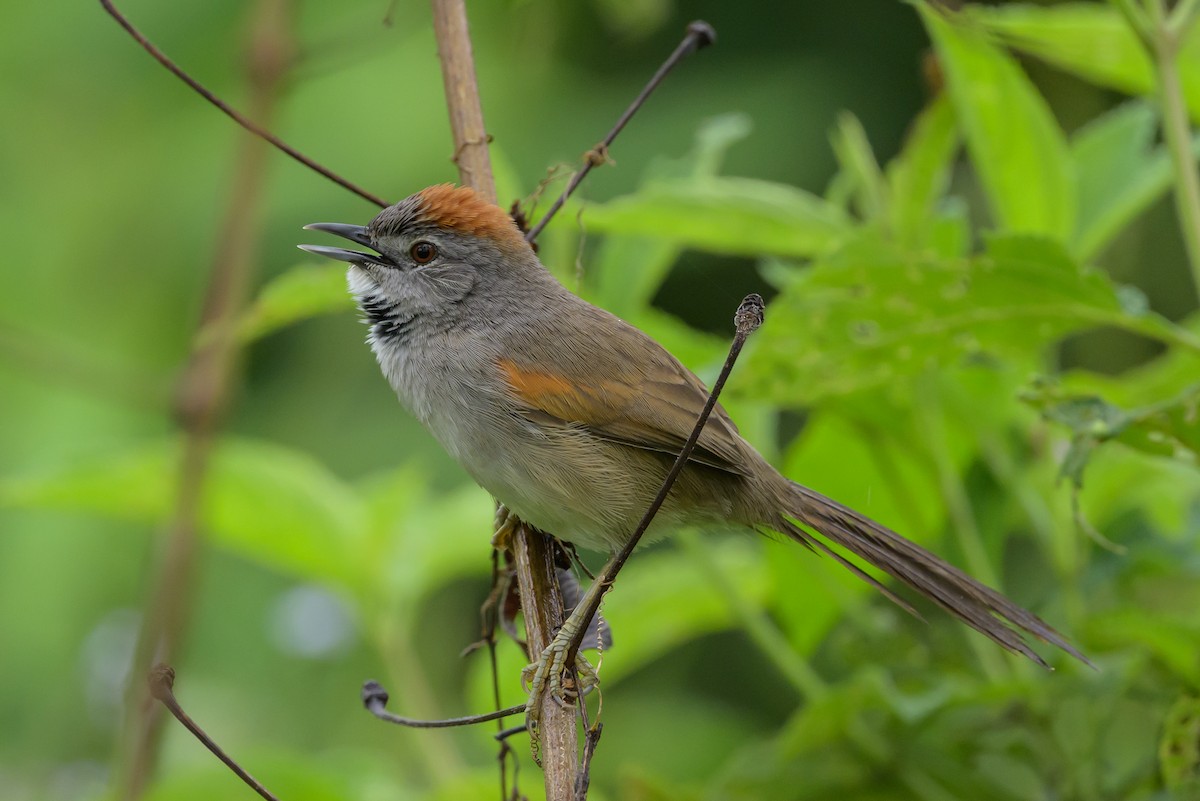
<point>1182,16</point>
<point>544,612</point>
<point>462,97</point>
<point>541,600</point>
<point>200,403</point>
<point>1163,41</point>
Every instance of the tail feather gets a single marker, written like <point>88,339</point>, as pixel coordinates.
<point>976,604</point>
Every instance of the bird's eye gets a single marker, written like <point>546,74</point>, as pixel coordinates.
<point>423,252</point>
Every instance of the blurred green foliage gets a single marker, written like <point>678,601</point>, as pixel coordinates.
<point>987,297</point>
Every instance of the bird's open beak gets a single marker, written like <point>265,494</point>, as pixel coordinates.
<point>355,233</point>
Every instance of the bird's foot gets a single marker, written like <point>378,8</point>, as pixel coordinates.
<point>550,675</point>
<point>503,525</point>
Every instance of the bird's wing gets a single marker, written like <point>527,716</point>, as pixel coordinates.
<point>609,378</point>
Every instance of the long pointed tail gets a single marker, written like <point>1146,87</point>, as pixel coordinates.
<point>976,604</point>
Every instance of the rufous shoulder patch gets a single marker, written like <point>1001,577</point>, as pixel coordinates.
<point>461,208</point>
<point>534,386</point>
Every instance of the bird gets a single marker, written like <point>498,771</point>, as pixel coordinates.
<point>571,417</point>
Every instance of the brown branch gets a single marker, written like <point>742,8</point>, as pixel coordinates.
<point>462,97</point>
<point>202,397</point>
<point>161,682</point>
<point>544,612</point>
<point>243,120</point>
<point>699,34</point>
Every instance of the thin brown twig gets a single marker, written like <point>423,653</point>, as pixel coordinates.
<point>201,400</point>
<point>699,34</point>
<point>241,119</point>
<point>583,775</point>
<point>747,319</point>
<point>591,739</point>
<point>504,734</point>
<point>161,682</point>
<point>375,698</point>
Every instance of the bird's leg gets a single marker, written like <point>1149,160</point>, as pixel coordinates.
<point>504,523</point>
<point>546,674</point>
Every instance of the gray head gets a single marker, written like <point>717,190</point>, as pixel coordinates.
<point>433,250</point>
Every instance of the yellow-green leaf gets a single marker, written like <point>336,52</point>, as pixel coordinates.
<point>1016,146</point>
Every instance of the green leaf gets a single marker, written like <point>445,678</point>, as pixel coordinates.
<point>1170,640</point>
<point>420,540</point>
<point>1153,409</point>
<point>290,777</point>
<point>713,140</point>
<point>737,216</point>
<point>1016,145</point>
<point>262,501</point>
<point>872,314</point>
<point>1091,40</point>
<point>950,232</point>
<point>302,292</point>
<point>1126,482</point>
<point>1167,428</point>
<point>675,603</point>
<point>830,718</point>
<point>919,175</point>
<point>1171,374</point>
<point>291,773</point>
<point>1112,157</point>
<point>1091,421</point>
<point>847,453</point>
<point>627,271</point>
<point>1179,748</point>
<point>1120,173</point>
<point>858,163</point>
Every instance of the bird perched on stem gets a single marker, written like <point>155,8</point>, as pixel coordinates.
<point>572,417</point>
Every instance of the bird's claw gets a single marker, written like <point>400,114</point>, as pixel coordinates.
<point>504,523</point>
<point>549,675</point>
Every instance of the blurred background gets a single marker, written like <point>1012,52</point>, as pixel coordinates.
<point>339,543</point>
